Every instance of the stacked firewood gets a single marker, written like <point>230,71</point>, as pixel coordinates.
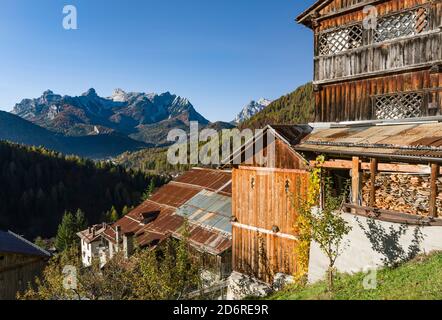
<point>401,192</point>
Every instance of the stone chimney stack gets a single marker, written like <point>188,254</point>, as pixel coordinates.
<point>128,245</point>
<point>118,236</point>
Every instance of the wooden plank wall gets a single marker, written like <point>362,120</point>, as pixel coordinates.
<point>378,57</point>
<point>264,205</point>
<point>349,101</point>
<point>285,158</point>
<point>382,57</point>
<point>16,272</point>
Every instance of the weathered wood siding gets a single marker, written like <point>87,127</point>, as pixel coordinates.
<point>260,200</point>
<point>352,100</point>
<point>376,57</point>
<point>16,272</point>
<point>347,81</point>
<point>285,158</point>
<point>413,52</point>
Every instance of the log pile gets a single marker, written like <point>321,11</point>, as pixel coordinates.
<point>405,193</point>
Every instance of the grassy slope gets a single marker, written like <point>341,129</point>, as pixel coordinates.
<point>420,279</point>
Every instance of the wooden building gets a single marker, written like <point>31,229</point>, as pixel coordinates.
<point>20,262</point>
<point>376,60</point>
<point>264,203</point>
<point>378,102</point>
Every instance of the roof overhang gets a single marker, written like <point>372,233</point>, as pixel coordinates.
<point>305,17</point>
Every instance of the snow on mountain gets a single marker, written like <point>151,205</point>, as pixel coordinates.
<point>251,109</point>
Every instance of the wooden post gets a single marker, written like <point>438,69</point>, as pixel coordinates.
<point>355,180</point>
<point>373,173</point>
<point>435,168</point>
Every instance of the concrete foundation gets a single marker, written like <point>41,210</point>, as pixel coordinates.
<point>372,244</point>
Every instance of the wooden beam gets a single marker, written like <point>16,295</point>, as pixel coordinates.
<point>373,173</point>
<point>392,216</point>
<point>382,167</point>
<point>435,170</point>
<point>355,180</point>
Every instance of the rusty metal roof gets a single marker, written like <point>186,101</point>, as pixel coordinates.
<point>205,240</point>
<point>420,141</point>
<point>209,210</point>
<point>212,180</point>
<point>156,219</point>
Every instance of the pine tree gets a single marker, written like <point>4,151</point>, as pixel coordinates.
<point>113,215</point>
<point>66,236</point>
<point>80,220</point>
<point>67,231</point>
<point>150,189</point>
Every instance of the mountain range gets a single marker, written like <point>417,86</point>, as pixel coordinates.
<point>139,116</point>
<point>95,127</point>
<point>251,109</point>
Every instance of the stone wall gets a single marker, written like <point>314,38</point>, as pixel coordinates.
<point>405,193</point>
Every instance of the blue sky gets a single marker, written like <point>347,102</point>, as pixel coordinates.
<point>218,54</point>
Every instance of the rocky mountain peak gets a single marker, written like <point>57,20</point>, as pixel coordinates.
<point>90,93</point>
<point>119,95</point>
<point>252,108</point>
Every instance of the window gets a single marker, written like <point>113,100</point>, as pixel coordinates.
<point>340,40</point>
<point>398,106</point>
<point>404,24</point>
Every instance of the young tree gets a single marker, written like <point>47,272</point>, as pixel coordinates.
<point>54,283</point>
<point>325,225</point>
<point>150,189</point>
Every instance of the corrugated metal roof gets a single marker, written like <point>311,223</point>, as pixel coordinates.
<point>420,141</point>
<point>205,240</point>
<point>203,192</point>
<point>213,180</point>
<point>13,243</point>
<point>209,210</point>
<point>174,195</point>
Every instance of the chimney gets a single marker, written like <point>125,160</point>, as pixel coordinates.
<point>128,245</point>
<point>90,230</point>
<point>117,236</point>
<point>93,232</point>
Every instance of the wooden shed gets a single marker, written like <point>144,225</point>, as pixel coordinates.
<point>20,262</point>
<point>376,60</point>
<point>265,204</point>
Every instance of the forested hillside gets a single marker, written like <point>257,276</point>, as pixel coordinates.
<point>151,161</point>
<point>38,185</point>
<point>296,107</point>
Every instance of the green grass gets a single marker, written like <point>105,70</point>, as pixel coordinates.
<point>420,279</point>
